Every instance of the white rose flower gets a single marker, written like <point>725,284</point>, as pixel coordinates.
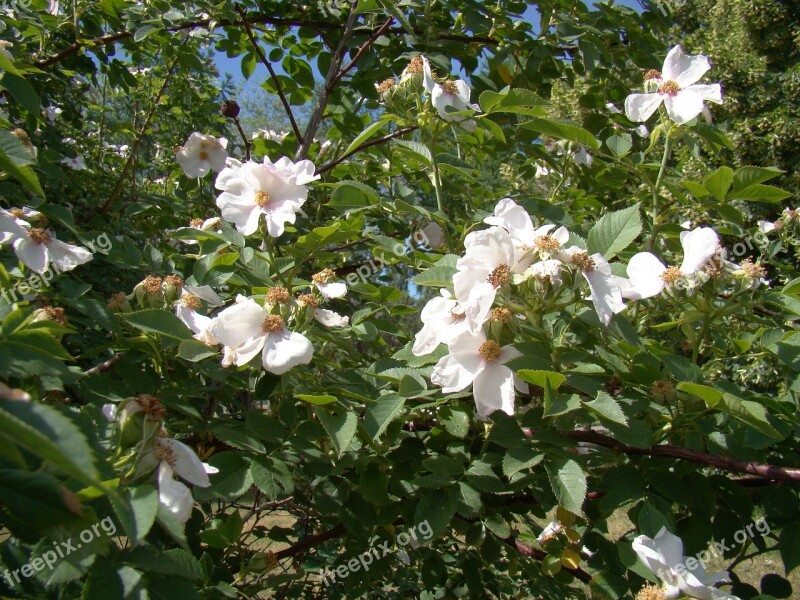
<point>202,153</point>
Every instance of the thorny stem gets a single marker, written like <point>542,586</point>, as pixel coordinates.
<point>656,191</point>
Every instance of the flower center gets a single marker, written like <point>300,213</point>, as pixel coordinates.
<point>116,301</point>
<point>203,155</point>
<point>415,66</point>
<point>547,243</point>
<point>307,300</point>
<point>323,276</point>
<point>753,271</point>
<point>450,87</point>
<point>671,275</point>
<point>152,284</point>
<point>272,324</point>
<point>651,592</point>
<point>262,198</point>
<point>500,276</point>
<point>385,85</point>
<point>489,351</point>
<point>56,314</point>
<point>165,454</point>
<point>457,316</point>
<point>652,74</point>
<point>671,88</point>
<point>150,406</point>
<point>174,280</point>
<point>196,223</point>
<point>39,236</point>
<point>584,261</point>
<point>501,314</point>
<point>17,212</point>
<point>191,301</point>
<point>278,295</point>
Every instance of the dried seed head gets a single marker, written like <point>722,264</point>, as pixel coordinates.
<point>651,592</point>
<point>449,86</point>
<point>489,351</point>
<point>671,275</point>
<point>584,261</point>
<point>501,315</point>
<point>17,212</point>
<point>40,236</point>
<point>500,276</point>
<point>50,313</point>
<point>164,453</point>
<point>191,301</point>
<point>152,284</point>
<point>196,223</point>
<point>278,295</point>
<point>174,280</point>
<point>262,199</point>
<point>546,243</point>
<point>652,74</point>
<point>385,85</point>
<point>663,388</point>
<point>307,300</point>
<point>150,406</point>
<point>230,109</point>
<point>117,301</point>
<point>272,324</point>
<point>671,88</point>
<point>753,271</point>
<point>415,66</point>
<point>323,276</point>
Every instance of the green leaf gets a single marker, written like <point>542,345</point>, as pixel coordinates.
<point>421,151</point>
<point>381,413</point>
<point>159,321</point>
<point>353,195</point>
<point>436,508</point>
<point>695,189</point>
<point>340,427</point>
<point>789,547</point>
<point>620,145</point>
<point>177,562</point>
<point>607,408</point>
<point>542,378</point>
<point>564,130</point>
<point>747,176</point>
<point>707,394</point>
<point>719,182</point>
<point>569,483</point>
<point>232,481</point>
<point>650,520</point>
<point>519,458</point>
<point>223,532</point>
<point>272,477</point>
<point>317,400</point>
<point>760,193</point>
<point>21,91</point>
<point>51,436</point>
<point>366,134</point>
<point>139,515</point>
<point>455,420</point>
<point>15,150</point>
<point>103,583</point>
<point>436,276</point>
<point>750,413</point>
<point>194,350</point>
<point>24,174</point>
<point>509,99</point>
<point>145,32</point>
<point>615,231</point>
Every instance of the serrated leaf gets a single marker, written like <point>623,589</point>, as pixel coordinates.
<point>317,400</point>
<point>353,195</point>
<point>719,182</point>
<point>542,378</point>
<point>615,231</point>
<point>159,321</point>
<point>620,145</point>
<point>760,193</point>
<point>455,421</point>
<point>789,547</point>
<point>176,562</point>
<point>381,413</point>
<point>419,150</point>
<point>194,350</point>
<point>366,134</point>
<point>436,508</point>
<point>707,394</point>
<point>606,407</point>
<point>519,458</point>
<point>747,176</point>
<point>569,483</point>
<point>564,130</point>
<point>272,477</point>
<point>340,427</point>
<point>436,276</point>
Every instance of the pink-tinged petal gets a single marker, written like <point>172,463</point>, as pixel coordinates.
<point>451,375</point>
<point>508,353</point>
<point>645,274</point>
<point>493,389</point>
<point>330,318</point>
<point>238,323</point>
<point>709,93</point>
<point>244,213</point>
<point>337,289</point>
<point>683,68</point>
<point>66,256</point>
<point>230,179</point>
<point>698,246</point>
<point>640,107</point>
<point>185,463</point>
<point>684,106</point>
<point>33,255</point>
<point>276,222</point>
<point>305,172</point>
<point>174,495</point>
<point>286,349</point>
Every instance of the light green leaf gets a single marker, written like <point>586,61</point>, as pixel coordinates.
<point>760,193</point>
<point>719,182</point>
<point>519,458</point>
<point>340,427</point>
<point>159,321</point>
<point>615,231</point>
<point>538,378</point>
<point>564,130</point>
<point>366,134</point>
<point>707,394</point>
<point>569,483</point>
<point>381,413</point>
<point>318,399</point>
<point>620,145</point>
<point>607,408</point>
<point>747,176</point>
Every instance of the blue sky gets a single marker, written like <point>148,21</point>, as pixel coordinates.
<point>231,65</point>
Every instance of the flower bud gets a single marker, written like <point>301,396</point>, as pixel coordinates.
<point>230,109</point>
<point>119,303</point>
<point>172,287</point>
<point>148,292</point>
<point>138,418</point>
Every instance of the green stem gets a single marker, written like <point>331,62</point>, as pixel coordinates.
<point>656,195</point>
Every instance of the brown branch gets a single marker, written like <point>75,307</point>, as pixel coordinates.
<point>535,553</point>
<point>138,140</point>
<point>272,74</point>
<point>105,366</point>
<point>765,471</point>
<point>375,142</point>
<point>364,47</point>
<point>310,541</point>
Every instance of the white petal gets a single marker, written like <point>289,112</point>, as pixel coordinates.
<point>684,69</point>
<point>493,389</point>
<point>766,226</point>
<point>514,219</point>
<point>286,349</point>
<point>330,318</point>
<point>192,319</point>
<point>710,93</point>
<point>640,107</point>
<point>644,272</point>
<point>684,106</point>
<point>204,292</point>
<point>453,375</point>
<point>336,289</point>
<point>238,323</point>
<point>109,411</point>
<point>669,546</point>
<point>606,292</point>
<point>174,495</point>
<point>66,256</point>
<point>698,246</point>
<point>653,559</point>
<point>245,352</point>
<point>193,166</point>
<point>33,255</point>
<point>186,464</point>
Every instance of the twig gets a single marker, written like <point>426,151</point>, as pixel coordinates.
<point>266,506</point>
<point>105,366</point>
<point>328,85</point>
<point>138,140</point>
<point>364,47</point>
<point>272,74</point>
<point>537,554</point>
<point>245,141</point>
<point>375,142</point>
